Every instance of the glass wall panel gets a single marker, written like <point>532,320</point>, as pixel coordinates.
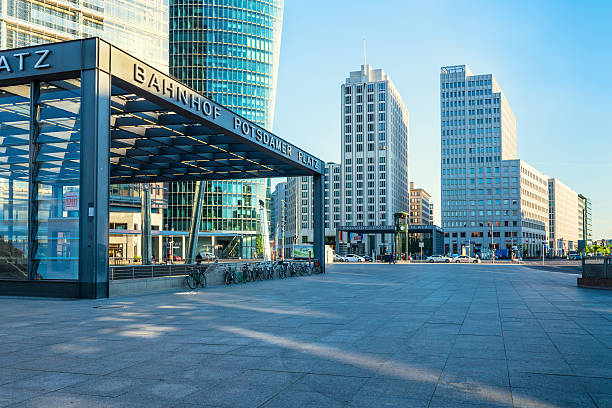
<point>14,165</point>
<point>56,249</point>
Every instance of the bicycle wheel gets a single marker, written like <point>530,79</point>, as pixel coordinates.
<point>202,279</point>
<point>191,282</point>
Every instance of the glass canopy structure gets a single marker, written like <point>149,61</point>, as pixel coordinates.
<point>80,115</point>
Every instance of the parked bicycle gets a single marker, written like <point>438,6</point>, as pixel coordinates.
<point>196,277</point>
<point>230,275</point>
<point>247,273</point>
<point>281,269</point>
<point>268,270</point>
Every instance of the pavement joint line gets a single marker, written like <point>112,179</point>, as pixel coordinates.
<point>559,351</point>
<point>567,375</point>
<point>306,373</point>
<point>274,396</point>
<point>453,346</point>
<point>501,323</point>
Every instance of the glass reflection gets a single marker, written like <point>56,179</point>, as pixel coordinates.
<point>56,246</point>
<point>14,164</point>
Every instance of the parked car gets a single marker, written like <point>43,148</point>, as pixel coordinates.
<point>367,258</point>
<point>575,256</point>
<point>386,258</point>
<point>338,258</point>
<point>207,256</point>
<point>354,258</point>
<point>466,259</point>
<point>438,258</point>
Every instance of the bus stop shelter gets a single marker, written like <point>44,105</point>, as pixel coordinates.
<point>78,116</point>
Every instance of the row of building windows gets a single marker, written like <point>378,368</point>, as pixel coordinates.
<point>359,88</point>
<point>461,84</point>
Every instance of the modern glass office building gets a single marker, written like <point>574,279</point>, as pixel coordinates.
<point>138,26</point>
<point>229,51</point>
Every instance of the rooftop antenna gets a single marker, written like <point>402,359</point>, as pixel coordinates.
<point>365,61</point>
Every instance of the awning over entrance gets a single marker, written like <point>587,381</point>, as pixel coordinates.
<point>80,115</point>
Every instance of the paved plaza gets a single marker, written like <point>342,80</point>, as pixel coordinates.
<point>359,336</point>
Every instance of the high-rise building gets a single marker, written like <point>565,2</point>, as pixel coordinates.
<point>374,152</point>
<point>420,207</point>
<point>229,51</point>
<point>278,219</point>
<point>563,210</point>
<point>139,27</point>
<point>300,220</point>
<point>490,200</point>
<point>332,202</point>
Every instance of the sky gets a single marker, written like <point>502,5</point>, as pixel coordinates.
<point>553,61</point>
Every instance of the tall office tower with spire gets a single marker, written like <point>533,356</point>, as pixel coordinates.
<point>228,50</point>
<point>490,199</point>
<point>374,155</point>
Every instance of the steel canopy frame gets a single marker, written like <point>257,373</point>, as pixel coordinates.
<point>139,125</point>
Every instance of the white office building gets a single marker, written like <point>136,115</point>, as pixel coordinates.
<point>490,199</point>
<point>332,202</point>
<point>374,158</point>
<point>300,219</point>
<point>278,219</point>
<point>564,224</point>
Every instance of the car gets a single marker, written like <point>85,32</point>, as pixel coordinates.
<point>338,258</point>
<point>386,258</point>
<point>353,258</point>
<point>173,258</point>
<point>438,258</point>
<point>207,256</point>
<point>575,256</point>
<point>367,258</point>
<point>466,259</point>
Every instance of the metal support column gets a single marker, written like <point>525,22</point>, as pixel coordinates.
<point>95,175</point>
<point>32,176</point>
<point>318,223</point>
<point>196,220</point>
<point>147,240</point>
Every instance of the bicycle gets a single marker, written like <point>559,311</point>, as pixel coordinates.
<point>268,272</point>
<point>247,273</point>
<point>281,267</point>
<point>259,272</point>
<point>293,269</point>
<point>230,275</point>
<point>196,277</point>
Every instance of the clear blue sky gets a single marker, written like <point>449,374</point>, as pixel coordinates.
<point>553,60</point>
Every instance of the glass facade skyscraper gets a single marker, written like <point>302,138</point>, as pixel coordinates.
<point>139,27</point>
<point>229,51</point>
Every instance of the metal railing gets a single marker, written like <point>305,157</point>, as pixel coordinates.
<point>150,271</point>
<point>119,272</point>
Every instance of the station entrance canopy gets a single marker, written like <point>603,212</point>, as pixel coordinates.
<point>80,115</point>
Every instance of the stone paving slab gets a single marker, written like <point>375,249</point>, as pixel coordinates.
<point>360,336</point>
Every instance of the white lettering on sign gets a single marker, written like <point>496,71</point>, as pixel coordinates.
<point>8,64</point>
<point>168,88</point>
<point>192,100</point>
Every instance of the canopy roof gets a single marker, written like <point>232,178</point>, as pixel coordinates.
<point>161,130</point>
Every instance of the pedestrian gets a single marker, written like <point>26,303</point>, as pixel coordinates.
<point>198,258</point>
